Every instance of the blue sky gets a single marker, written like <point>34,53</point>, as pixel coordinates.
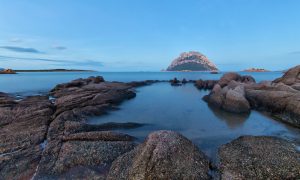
<point>145,35</point>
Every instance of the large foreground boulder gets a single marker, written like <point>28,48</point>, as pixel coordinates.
<point>164,155</point>
<point>250,157</point>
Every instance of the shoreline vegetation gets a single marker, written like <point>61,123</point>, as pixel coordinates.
<point>50,139</point>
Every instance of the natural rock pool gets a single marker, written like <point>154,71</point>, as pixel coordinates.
<point>162,106</point>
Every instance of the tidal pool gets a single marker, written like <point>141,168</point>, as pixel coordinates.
<point>164,107</point>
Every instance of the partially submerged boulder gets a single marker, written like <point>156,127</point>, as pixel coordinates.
<point>164,155</point>
<point>261,157</point>
<point>229,98</point>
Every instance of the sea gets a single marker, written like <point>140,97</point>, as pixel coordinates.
<point>161,106</point>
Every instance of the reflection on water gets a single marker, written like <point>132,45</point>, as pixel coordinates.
<point>232,120</point>
<point>182,109</point>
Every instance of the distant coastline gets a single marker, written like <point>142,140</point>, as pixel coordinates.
<point>55,70</point>
<point>256,70</point>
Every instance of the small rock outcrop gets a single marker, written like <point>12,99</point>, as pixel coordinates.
<point>175,82</point>
<point>164,155</point>
<point>7,71</point>
<point>205,84</point>
<point>229,93</point>
<point>256,70</point>
<point>261,157</point>
<point>192,61</point>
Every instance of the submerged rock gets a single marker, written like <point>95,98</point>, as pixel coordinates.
<point>261,157</point>
<point>164,155</point>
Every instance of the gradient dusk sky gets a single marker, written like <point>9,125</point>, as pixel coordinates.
<point>146,35</point>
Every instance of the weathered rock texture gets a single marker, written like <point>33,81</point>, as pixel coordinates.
<point>192,61</point>
<point>164,155</point>
<point>23,128</point>
<point>71,144</point>
<point>261,157</point>
<point>42,140</point>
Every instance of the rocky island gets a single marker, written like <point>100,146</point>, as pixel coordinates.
<point>48,138</point>
<point>192,61</point>
<point>7,71</point>
<point>256,70</point>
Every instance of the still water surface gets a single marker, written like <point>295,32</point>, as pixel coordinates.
<point>164,107</point>
<point>40,82</point>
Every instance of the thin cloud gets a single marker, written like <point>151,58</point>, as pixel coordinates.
<point>295,52</point>
<point>21,49</point>
<point>16,40</point>
<point>59,47</point>
<point>57,61</point>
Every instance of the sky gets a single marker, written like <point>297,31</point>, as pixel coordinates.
<point>146,35</point>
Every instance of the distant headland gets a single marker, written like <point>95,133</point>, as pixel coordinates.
<point>10,71</point>
<point>7,71</point>
<point>256,70</point>
<point>192,61</point>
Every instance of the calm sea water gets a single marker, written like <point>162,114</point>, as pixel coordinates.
<point>35,83</point>
<point>162,106</point>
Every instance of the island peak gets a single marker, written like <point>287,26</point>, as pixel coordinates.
<point>192,61</point>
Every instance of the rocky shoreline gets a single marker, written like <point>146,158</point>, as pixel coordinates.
<point>240,94</point>
<point>41,139</point>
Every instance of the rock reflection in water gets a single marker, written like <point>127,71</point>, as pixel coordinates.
<point>233,120</point>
